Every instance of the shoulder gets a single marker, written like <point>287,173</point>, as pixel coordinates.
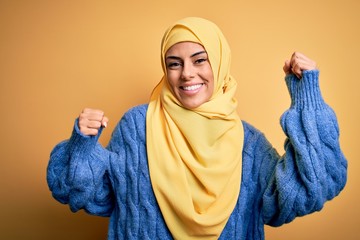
<point>133,122</point>
<point>254,139</point>
<point>130,129</point>
<point>135,114</point>
<point>137,111</point>
<point>250,131</point>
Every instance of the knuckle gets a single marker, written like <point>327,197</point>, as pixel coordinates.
<point>83,130</point>
<point>94,131</point>
<point>82,118</point>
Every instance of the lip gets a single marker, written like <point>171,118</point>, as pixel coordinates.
<point>191,87</point>
<point>190,90</point>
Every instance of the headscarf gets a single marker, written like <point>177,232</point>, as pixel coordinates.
<point>195,156</point>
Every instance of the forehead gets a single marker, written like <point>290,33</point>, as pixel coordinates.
<point>184,48</point>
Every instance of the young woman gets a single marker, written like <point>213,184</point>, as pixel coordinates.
<point>185,166</point>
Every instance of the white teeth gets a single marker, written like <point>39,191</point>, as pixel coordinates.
<point>192,88</point>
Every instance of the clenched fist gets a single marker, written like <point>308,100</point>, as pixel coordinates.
<point>298,63</point>
<point>91,120</point>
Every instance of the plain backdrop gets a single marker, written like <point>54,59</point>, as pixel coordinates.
<point>57,57</point>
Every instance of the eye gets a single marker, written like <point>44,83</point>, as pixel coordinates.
<point>173,65</point>
<point>200,60</point>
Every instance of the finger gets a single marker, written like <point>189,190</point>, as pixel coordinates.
<point>104,122</point>
<point>297,54</point>
<point>90,121</point>
<point>90,131</point>
<point>301,65</point>
<point>296,69</point>
<point>294,59</point>
<point>85,123</point>
<point>286,67</point>
<point>294,65</point>
<point>93,124</point>
<point>301,56</point>
<point>302,61</point>
<point>91,110</point>
<point>92,114</point>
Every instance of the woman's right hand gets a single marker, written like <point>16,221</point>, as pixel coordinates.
<point>91,120</point>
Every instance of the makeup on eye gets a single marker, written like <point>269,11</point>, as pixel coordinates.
<point>173,65</point>
<point>201,60</point>
<point>176,61</point>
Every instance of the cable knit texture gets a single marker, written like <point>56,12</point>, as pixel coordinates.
<point>114,181</point>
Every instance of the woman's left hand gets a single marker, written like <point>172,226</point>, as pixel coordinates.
<point>297,64</point>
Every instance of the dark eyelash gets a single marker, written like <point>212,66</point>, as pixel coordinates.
<point>173,64</point>
<point>200,60</point>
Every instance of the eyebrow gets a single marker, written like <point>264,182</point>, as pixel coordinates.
<point>193,55</point>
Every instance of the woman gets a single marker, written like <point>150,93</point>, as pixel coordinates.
<point>185,166</point>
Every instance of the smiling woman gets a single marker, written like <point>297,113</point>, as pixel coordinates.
<point>189,74</point>
<point>185,166</point>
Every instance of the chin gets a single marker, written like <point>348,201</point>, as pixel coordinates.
<point>191,106</point>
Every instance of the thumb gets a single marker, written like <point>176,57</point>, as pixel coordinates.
<point>104,122</point>
<point>286,68</point>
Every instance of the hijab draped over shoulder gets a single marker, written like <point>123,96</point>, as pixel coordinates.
<point>195,156</point>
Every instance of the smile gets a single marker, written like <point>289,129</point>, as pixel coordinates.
<point>192,87</point>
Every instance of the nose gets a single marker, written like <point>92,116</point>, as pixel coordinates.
<point>187,72</point>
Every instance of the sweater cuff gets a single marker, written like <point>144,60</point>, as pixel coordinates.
<point>305,92</point>
<point>80,143</point>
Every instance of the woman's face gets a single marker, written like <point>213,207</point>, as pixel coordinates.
<point>189,74</point>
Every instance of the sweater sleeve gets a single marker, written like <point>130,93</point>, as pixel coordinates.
<point>313,169</point>
<point>77,174</point>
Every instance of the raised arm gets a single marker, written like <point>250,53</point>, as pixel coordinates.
<point>313,170</point>
<point>77,172</point>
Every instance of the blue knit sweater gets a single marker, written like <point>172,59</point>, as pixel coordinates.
<point>115,182</point>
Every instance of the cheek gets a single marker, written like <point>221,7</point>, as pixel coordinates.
<point>209,73</point>
<point>210,78</point>
<point>211,85</point>
<point>172,80</point>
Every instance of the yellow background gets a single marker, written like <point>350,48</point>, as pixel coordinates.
<point>57,57</point>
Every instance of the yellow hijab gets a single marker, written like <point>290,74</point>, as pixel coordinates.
<point>195,156</point>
